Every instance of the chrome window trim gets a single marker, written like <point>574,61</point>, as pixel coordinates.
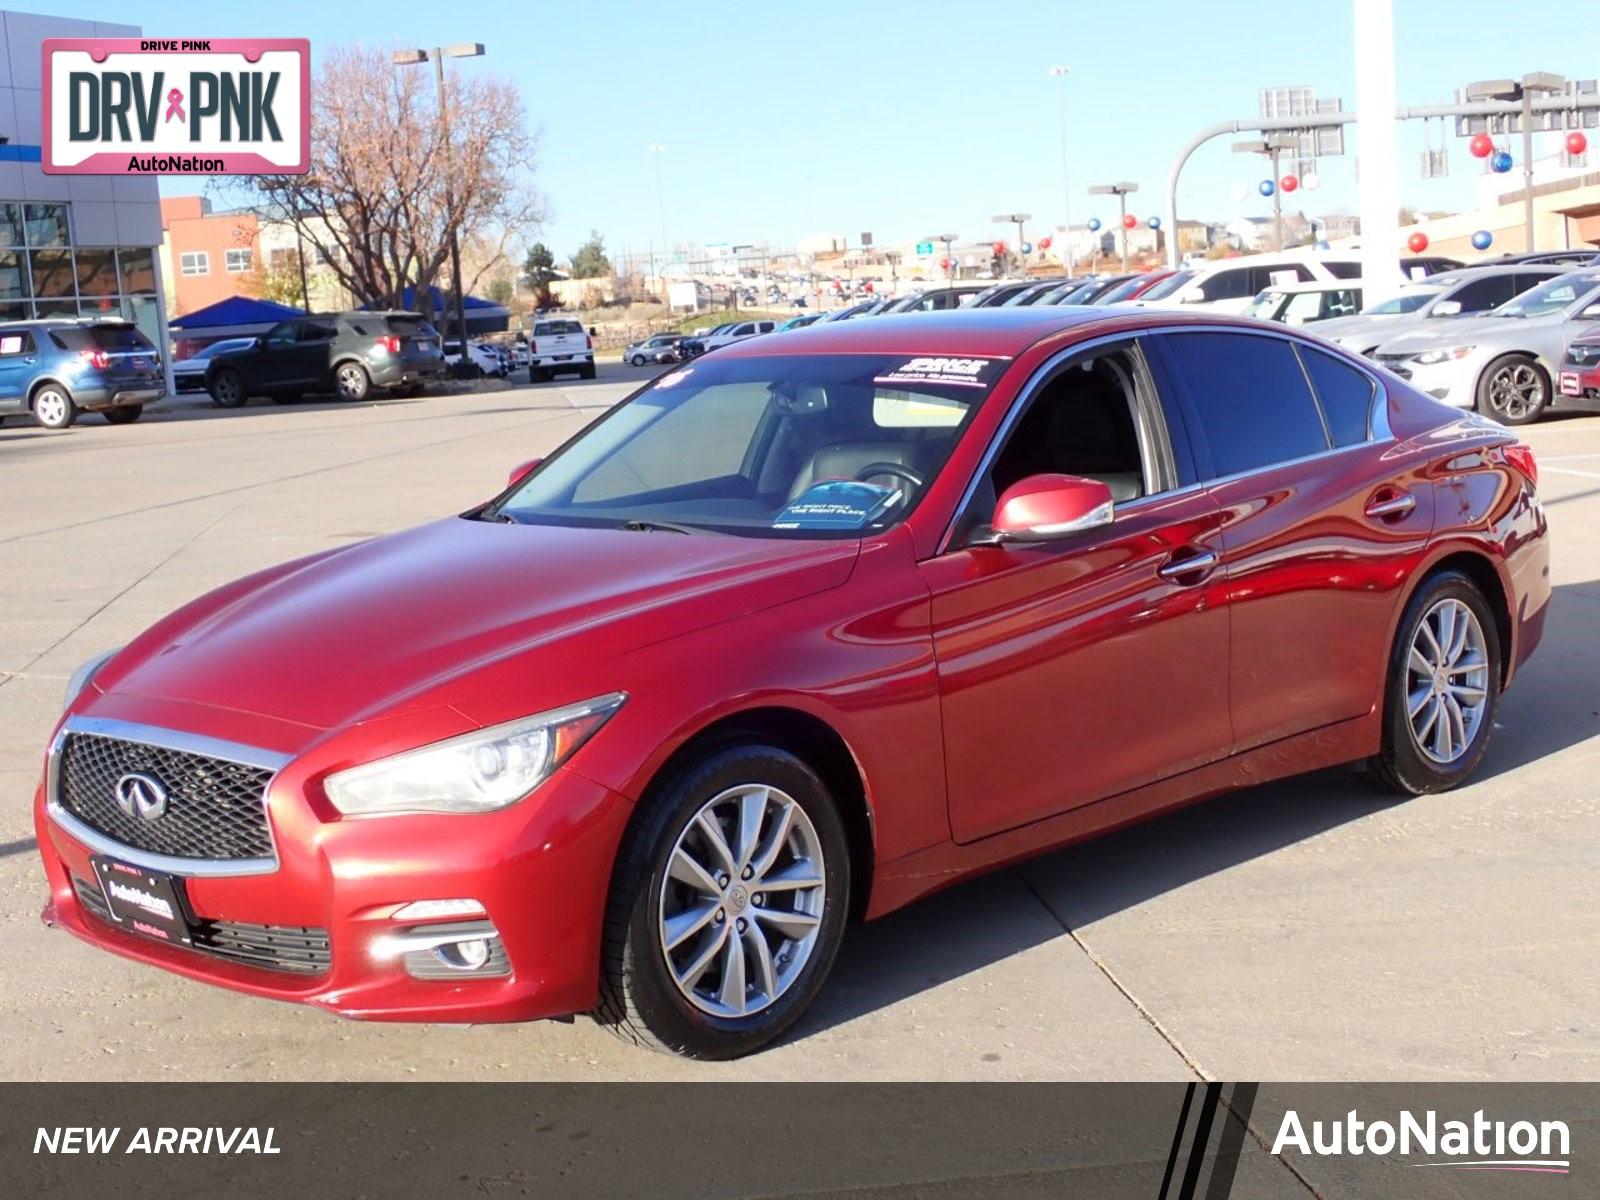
<point>166,739</point>
<point>1380,431</point>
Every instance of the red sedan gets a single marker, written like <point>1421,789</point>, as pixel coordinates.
<point>799,633</point>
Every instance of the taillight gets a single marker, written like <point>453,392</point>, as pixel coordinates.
<point>388,343</point>
<point>588,342</point>
<point>95,358</point>
<point>1520,456</point>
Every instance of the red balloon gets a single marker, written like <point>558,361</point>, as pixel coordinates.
<point>1129,221</point>
<point>1289,182</point>
<point>944,264</point>
<point>1044,242</point>
<point>999,248</point>
<point>1418,242</point>
<point>1576,142</point>
<point>1481,145</point>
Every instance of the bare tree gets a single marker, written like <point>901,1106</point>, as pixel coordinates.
<point>375,202</point>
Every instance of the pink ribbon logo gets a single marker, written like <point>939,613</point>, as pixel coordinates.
<point>175,105</point>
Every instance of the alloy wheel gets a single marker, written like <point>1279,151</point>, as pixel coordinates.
<point>352,382</point>
<point>50,406</point>
<point>1447,681</point>
<point>1516,390</point>
<point>742,901</point>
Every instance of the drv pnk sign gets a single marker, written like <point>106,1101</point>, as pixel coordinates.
<point>152,106</point>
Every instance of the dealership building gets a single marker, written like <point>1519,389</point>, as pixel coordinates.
<point>70,245</point>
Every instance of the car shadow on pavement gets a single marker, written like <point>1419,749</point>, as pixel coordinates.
<point>1554,704</point>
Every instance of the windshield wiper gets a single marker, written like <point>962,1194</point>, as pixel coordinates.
<point>637,526</point>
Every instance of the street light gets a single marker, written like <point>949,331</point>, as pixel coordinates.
<point>1523,90</point>
<point>1016,219</point>
<point>656,151</point>
<point>1060,72</point>
<point>1272,145</point>
<point>1120,191</point>
<point>406,58</point>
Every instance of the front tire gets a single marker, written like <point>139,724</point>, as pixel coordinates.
<point>727,906</point>
<point>637,360</point>
<point>125,414</point>
<point>227,389</point>
<point>1514,390</point>
<point>53,407</point>
<point>1443,688</point>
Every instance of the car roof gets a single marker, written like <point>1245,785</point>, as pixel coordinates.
<point>992,332</point>
<point>1315,285</point>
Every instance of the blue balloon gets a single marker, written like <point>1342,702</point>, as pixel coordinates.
<point>1266,187</point>
<point>1482,240</point>
<point>1027,247</point>
<point>1094,224</point>
<point>1154,222</point>
<point>1500,162</point>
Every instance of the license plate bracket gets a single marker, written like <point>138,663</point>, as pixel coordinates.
<point>144,902</point>
<point>1569,384</point>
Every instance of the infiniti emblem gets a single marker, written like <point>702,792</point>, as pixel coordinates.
<point>141,795</point>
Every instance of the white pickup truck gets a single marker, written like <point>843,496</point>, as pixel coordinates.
<point>559,345</point>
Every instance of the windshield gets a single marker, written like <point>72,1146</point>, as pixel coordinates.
<point>1551,296</point>
<point>553,328</point>
<point>781,446</point>
<point>1403,303</point>
<point>1124,290</point>
<point>1265,306</point>
<point>101,337</point>
<point>1168,285</point>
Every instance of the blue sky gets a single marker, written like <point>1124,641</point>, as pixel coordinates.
<point>903,118</point>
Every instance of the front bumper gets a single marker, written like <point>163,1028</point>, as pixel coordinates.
<point>540,869</point>
<point>1453,382</point>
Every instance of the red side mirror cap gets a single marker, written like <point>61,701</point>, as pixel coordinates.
<point>1041,508</point>
<point>522,470</point>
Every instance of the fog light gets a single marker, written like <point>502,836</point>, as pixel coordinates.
<point>464,956</point>
<point>424,910</point>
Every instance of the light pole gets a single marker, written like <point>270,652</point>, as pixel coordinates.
<point>1522,91</point>
<point>1060,72</point>
<point>1016,219</point>
<point>405,58</point>
<point>656,151</point>
<point>1272,146</point>
<point>949,240</point>
<point>1120,191</point>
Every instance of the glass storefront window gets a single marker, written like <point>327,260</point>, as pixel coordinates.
<point>52,274</point>
<point>16,312</point>
<point>11,224</point>
<point>13,275</point>
<point>138,269</point>
<point>47,224</point>
<point>97,271</point>
<point>49,310</point>
<point>102,306</point>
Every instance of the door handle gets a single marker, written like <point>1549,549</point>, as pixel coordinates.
<point>1391,507</point>
<point>1191,569</point>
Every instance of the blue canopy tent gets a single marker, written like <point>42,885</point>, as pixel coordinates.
<point>237,316</point>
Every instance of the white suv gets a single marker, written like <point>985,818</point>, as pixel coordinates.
<point>1230,284</point>
<point>737,333</point>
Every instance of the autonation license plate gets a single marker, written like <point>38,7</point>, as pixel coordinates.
<point>145,902</point>
<point>1570,385</point>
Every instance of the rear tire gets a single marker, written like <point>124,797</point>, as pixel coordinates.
<point>1443,689</point>
<point>125,414</point>
<point>763,955</point>
<point>538,375</point>
<point>587,372</point>
<point>53,407</point>
<point>227,389</point>
<point>1514,390</point>
<point>637,360</point>
<point>351,382</point>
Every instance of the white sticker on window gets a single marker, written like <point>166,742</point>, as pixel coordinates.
<point>960,372</point>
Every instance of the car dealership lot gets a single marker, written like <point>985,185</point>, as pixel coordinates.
<point>1307,929</point>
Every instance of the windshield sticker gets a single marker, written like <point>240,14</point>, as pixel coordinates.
<point>837,504</point>
<point>957,372</point>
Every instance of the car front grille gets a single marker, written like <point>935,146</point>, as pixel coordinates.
<point>296,949</point>
<point>215,809</point>
<point>1395,363</point>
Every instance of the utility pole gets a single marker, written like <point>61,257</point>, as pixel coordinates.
<point>1272,146</point>
<point>1060,72</point>
<point>949,240</point>
<point>407,58</point>
<point>1120,191</point>
<point>1522,92</point>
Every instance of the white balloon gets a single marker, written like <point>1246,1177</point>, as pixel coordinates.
<point>1240,191</point>
<point>1310,181</point>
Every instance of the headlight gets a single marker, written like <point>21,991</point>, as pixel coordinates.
<point>477,772</point>
<point>82,677</point>
<point>1429,357</point>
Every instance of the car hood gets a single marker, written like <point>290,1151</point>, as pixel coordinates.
<point>1335,328</point>
<point>405,621</point>
<point>1457,331</point>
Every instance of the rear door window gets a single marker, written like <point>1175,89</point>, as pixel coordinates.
<point>1480,295</point>
<point>1233,284</point>
<point>1345,394</point>
<point>1248,398</point>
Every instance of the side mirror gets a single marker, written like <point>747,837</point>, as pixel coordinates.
<point>1043,508</point>
<point>1446,308</point>
<point>592,332</point>
<point>1590,313</point>
<point>521,471</point>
